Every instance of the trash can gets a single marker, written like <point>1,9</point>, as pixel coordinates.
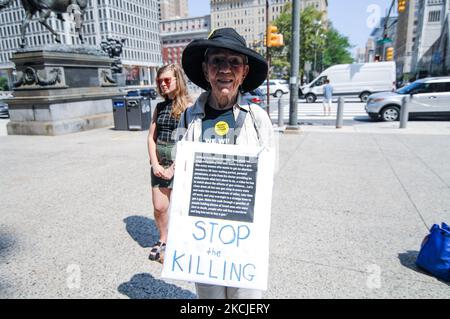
<point>120,113</point>
<point>138,113</point>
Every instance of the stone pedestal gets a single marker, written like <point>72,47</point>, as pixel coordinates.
<point>120,79</point>
<point>61,89</point>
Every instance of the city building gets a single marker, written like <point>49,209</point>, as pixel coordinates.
<point>248,17</point>
<point>370,50</point>
<point>276,7</point>
<point>360,55</point>
<point>177,33</point>
<point>406,36</point>
<point>384,36</point>
<point>432,34</point>
<point>172,9</point>
<point>133,20</point>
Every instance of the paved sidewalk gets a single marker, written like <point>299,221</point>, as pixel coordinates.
<point>349,213</point>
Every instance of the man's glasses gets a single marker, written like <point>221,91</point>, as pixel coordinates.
<point>167,81</point>
<point>232,61</point>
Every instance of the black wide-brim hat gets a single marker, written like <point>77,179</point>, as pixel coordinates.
<point>225,38</point>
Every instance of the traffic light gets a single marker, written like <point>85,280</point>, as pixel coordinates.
<point>401,5</point>
<point>274,39</point>
<point>390,54</point>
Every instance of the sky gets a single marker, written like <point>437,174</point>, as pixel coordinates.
<point>352,18</point>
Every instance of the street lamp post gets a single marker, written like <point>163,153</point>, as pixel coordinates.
<point>318,25</point>
<point>323,37</point>
<point>295,62</point>
<point>261,47</point>
<point>267,58</point>
<point>315,58</point>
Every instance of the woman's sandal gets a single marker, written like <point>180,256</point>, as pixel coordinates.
<point>157,249</point>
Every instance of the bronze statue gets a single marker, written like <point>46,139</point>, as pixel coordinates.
<point>45,8</point>
<point>114,49</point>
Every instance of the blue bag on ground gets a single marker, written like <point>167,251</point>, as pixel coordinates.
<point>434,256</point>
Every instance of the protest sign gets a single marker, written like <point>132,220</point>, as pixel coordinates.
<point>220,215</point>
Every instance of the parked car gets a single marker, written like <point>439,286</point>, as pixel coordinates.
<point>427,97</point>
<point>356,79</point>
<point>276,87</point>
<point>4,111</point>
<point>256,97</point>
<point>151,92</point>
<point>147,92</point>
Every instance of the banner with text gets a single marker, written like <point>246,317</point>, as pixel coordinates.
<point>220,215</point>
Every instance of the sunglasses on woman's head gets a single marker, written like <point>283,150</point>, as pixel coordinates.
<point>167,81</point>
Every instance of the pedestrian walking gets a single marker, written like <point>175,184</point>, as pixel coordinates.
<point>224,67</point>
<point>327,97</point>
<point>171,85</point>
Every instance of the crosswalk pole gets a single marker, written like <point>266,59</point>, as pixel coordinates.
<point>340,113</point>
<point>280,113</point>
<point>404,113</point>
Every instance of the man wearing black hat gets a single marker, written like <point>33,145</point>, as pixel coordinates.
<point>224,67</point>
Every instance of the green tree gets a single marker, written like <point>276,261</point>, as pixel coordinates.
<point>281,55</point>
<point>320,45</point>
<point>336,49</point>
<point>4,84</point>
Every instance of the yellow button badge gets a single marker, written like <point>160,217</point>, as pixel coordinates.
<point>221,128</point>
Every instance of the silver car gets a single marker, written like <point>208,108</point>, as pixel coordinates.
<point>4,111</point>
<point>277,87</point>
<point>256,97</point>
<point>426,97</point>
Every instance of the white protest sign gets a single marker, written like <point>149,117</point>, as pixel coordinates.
<point>220,215</point>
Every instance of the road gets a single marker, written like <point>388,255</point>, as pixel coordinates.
<point>308,113</point>
<point>312,113</point>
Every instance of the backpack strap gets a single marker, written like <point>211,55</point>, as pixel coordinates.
<point>254,121</point>
<point>239,124</point>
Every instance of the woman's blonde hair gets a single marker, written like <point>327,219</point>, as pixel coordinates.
<point>182,98</point>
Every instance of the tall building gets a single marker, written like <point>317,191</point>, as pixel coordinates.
<point>248,17</point>
<point>171,9</point>
<point>360,55</point>
<point>406,35</point>
<point>370,50</point>
<point>387,28</point>
<point>432,16</point>
<point>177,33</point>
<point>276,7</point>
<point>133,20</point>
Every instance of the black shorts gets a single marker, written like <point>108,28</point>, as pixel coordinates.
<point>165,158</point>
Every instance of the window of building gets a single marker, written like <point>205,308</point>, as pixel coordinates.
<point>434,16</point>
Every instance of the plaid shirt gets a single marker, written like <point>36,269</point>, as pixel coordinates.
<point>165,122</point>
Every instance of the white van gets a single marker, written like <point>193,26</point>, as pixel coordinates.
<point>357,79</point>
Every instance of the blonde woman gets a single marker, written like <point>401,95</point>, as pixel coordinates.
<point>171,85</point>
